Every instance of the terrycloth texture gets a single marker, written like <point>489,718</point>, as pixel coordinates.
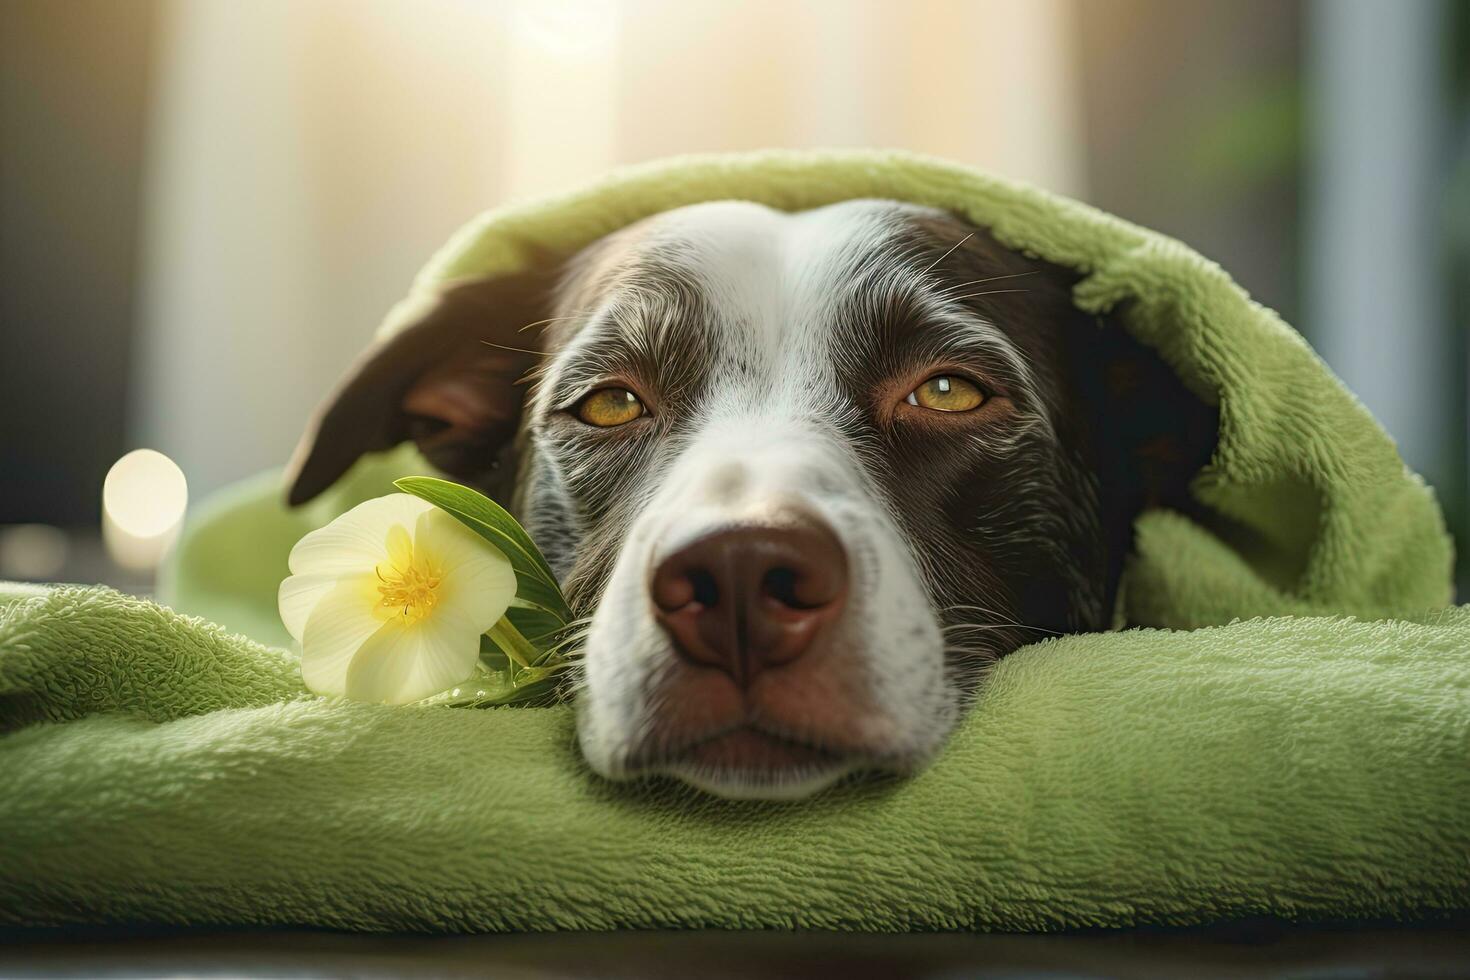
<point>1296,767</point>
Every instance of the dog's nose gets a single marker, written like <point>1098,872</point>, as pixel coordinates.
<point>746,599</point>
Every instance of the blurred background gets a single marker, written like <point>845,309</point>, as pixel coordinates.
<point>207,205</point>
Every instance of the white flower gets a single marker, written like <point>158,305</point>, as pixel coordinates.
<point>389,600</point>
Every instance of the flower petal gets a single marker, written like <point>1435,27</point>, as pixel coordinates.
<point>336,630</point>
<point>440,536</point>
<point>357,541</point>
<point>479,582</point>
<point>298,596</point>
<point>400,546</point>
<point>399,664</point>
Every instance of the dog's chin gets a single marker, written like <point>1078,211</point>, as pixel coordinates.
<point>749,763</point>
<point>760,784</point>
<point>746,763</point>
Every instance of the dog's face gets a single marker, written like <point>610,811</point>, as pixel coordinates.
<point>810,472</point>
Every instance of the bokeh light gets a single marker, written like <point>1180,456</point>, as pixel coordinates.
<point>143,502</point>
<point>32,552</point>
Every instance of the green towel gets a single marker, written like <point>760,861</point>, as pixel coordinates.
<point>155,768</point>
<point>1295,767</point>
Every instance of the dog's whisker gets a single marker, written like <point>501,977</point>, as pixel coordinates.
<point>518,350</point>
<point>981,282</point>
<point>968,607</point>
<point>553,319</point>
<point>987,292</point>
<point>930,268</point>
<point>1000,622</point>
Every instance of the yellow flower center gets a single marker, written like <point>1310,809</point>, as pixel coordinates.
<point>408,583</point>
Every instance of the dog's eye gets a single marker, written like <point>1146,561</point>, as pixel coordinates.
<point>607,407</point>
<point>947,393</point>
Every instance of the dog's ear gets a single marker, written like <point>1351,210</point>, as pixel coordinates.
<point>1158,435</point>
<point>446,379</point>
<point>1151,435</point>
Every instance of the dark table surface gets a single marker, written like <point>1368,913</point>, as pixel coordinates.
<point>1238,950</point>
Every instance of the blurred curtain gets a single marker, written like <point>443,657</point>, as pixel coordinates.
<point>1381,225</point>
<point>74,92</point>
<point>1374,267</point>
<point>306,157</point>
<point>303,158</point>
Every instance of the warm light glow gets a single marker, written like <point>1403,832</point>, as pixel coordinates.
<point>561,94</point>
<point>566,28</point>
<point>143,502</point>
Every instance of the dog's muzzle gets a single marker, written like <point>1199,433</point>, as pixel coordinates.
<point>764,630</point>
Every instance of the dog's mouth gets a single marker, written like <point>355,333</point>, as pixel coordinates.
<point>750,747</point>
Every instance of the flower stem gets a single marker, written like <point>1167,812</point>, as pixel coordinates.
<point>512,643</point>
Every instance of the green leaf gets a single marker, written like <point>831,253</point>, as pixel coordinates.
<point>533,593</point>
<point>541,690</point>
<point>542,630</point>
<point>491,686</point>
<point>536,586</point>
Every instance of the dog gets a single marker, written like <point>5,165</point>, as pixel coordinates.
<point>811,473</point>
